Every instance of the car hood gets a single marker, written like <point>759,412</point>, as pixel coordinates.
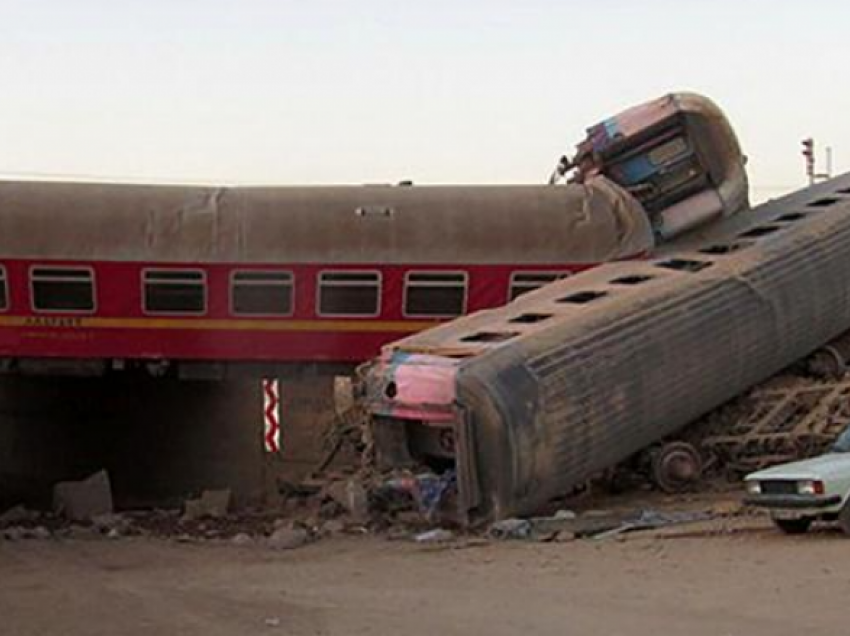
<point>824,466</point>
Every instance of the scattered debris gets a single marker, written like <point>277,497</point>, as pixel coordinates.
<point>83,500</point>
<point>565,526</point>
<point>426,491</point>
<point>653,519</point>
<point>18,514</point>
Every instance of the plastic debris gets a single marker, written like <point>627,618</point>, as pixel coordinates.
<point>511,529</point>
<point>437,535</point>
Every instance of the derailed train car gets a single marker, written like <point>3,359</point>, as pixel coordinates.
<point>525,402</point>
<point>113,276</point>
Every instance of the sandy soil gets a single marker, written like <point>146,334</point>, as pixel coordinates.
<point>720,578</point>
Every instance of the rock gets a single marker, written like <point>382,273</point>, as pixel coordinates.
<point>409,517</point>
<point>400,534</point>
<point>16,515</point>
<point>113,534</point>
<point>242,540</point>
<point>351,495</point>
<point>212,503</point>
<point>511,529</point>
<point>288,538</point>
<point>438,535</point>
<point>565,536</point>
<point>564,515</point>
<point>40,533</point>
<point>727,509</point>
<point>83,500</point>
<point>14,533</point>
<point>334,526</point>
<point>78,532</point>
<point>109,522</point>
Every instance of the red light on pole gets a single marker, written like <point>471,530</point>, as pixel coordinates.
<point>809,154</point>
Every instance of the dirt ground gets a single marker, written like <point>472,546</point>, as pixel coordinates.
<point>719,578</point>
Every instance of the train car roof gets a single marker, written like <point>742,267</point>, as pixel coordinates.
<point>562,224</point>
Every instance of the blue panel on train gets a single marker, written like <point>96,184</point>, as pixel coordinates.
<point>634,170</point>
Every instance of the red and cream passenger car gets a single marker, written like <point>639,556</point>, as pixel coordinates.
<point>161,273</point>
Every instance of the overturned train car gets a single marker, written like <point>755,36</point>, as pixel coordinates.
<point>528,401</point>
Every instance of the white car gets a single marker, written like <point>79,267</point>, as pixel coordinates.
<point>801,492</point>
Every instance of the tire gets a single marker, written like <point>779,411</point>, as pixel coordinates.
<point>793,526</point>
<point>844,518</point>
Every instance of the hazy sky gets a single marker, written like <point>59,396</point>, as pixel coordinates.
<point>321,91</point>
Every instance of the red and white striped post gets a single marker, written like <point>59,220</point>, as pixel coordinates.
<point>271,415</point>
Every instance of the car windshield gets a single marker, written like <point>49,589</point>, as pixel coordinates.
<point>842,444</point>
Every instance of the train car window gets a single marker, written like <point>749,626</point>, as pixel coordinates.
<point>62,289</point>
<point>174,291</point>
<point>435,294</point>
<point>261,293</point>
<point>524,282</point>
<point>349,293</point>
<point>4,290</point>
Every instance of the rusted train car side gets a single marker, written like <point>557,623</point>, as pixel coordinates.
<point>527,401</point>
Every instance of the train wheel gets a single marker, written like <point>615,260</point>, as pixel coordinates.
<point>676,467</point>
<point>827,363</point>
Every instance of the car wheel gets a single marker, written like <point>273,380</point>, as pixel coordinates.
<point>794,526</point>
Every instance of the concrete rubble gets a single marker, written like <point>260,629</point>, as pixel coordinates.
<point>83,500</point>
<point>351,495</point>
<point>213,504</point>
